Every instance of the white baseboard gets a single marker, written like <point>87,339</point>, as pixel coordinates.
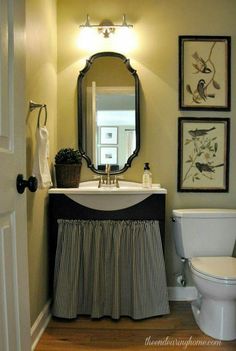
<point>177,293</point>
<point>40,325</point>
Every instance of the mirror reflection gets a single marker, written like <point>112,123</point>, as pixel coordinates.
<point>108,112</point>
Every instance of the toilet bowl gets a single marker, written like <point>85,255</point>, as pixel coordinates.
<point>215,310</point>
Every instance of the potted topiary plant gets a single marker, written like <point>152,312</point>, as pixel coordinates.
<point>68,165</point>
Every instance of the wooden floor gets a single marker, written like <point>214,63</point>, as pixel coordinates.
<point>176,331</point>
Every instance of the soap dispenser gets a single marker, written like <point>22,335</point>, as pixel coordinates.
<point>147,176</point>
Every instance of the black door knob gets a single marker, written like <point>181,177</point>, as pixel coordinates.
<point>21,184</point>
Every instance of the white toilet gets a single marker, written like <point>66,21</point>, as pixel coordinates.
<point>206,237</point>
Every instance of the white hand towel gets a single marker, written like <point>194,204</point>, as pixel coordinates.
<point>40,166</point>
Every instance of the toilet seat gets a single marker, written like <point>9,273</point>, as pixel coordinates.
<point>219,269</point>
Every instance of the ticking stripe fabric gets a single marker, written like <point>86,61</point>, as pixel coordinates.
<point>109,268</point>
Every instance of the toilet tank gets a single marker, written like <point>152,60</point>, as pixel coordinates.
<point>204,232</point>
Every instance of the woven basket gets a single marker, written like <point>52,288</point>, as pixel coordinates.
<point>68,175</point>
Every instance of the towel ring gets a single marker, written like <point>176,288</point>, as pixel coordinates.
<point>45,115</point>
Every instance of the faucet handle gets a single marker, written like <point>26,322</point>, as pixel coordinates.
<point>117,182</point>
<point>100,182</point>
<point>99,178</point>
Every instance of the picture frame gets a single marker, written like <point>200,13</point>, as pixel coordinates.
<point>205,73</point>
<point>203,154</point>
<point>108,155</point>
<point>109,135</point>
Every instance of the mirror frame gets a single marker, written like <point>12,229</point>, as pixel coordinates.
<point>81,76</point>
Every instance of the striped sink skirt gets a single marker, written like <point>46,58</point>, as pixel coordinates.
<point>109,268</point>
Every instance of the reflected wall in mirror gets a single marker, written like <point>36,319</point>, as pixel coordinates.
<point>108,112</point>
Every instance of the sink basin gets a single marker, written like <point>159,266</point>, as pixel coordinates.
<point>109,198</point>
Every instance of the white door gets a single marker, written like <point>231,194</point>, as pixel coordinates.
<point>14,291</point>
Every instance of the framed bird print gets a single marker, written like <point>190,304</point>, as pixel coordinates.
<point>204,73</point>
<point>203,154</point>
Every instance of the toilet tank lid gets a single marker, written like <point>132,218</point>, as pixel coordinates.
<point>204,212</point>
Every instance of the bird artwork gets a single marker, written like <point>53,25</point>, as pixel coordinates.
<point>202,155</point>
<point>204,167</point>
<point>206,86</point>
<point>200,64</point>
<point>201,89</point>
<point>200,132</point>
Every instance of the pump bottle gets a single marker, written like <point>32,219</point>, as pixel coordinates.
<point>147,176</point>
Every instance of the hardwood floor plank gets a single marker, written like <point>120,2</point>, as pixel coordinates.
<point>176,331</point>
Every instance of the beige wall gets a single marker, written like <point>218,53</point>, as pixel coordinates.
<point>41,59</point>
<point>157,25</point>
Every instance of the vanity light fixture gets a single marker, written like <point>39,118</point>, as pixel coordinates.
<point>106,27</point>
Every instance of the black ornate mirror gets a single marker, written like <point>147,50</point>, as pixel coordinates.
<point>108,112</point>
